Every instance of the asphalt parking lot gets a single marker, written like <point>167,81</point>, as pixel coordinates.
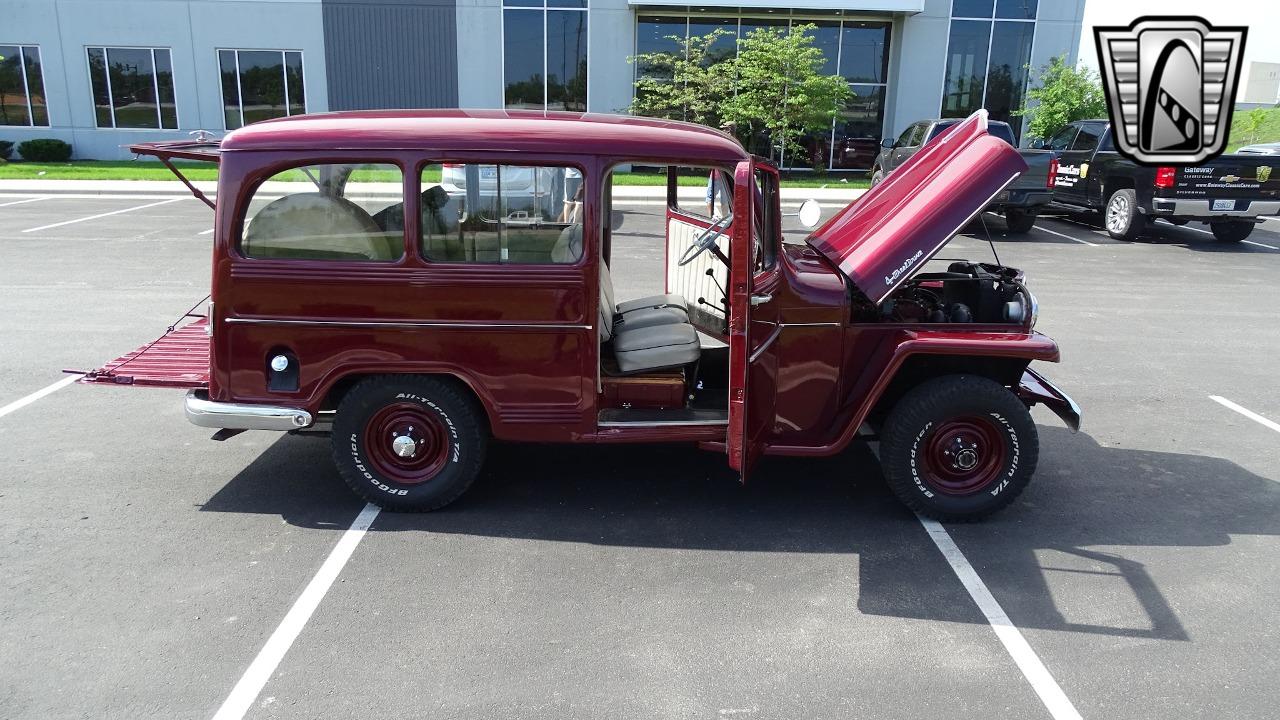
<point>143,568</point>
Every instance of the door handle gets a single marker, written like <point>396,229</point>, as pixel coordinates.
<point>760,299</point>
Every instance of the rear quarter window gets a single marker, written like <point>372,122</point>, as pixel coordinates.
<point>339,212</point>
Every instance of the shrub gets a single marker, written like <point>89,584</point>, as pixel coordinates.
<point>6,149</point>
<point>45,150</point>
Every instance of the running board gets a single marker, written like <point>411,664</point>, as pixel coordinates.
<point>622,418</point>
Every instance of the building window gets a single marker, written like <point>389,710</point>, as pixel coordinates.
<point>133,88</point>
<point>856,50</point>
<point>544,51</point>
<point>21,86</point>
<point>260,85</point>
<point>987,58</point>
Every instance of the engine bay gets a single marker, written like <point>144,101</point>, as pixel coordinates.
<point>967,292</point>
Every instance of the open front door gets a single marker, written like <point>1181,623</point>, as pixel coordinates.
<point>753,312</point>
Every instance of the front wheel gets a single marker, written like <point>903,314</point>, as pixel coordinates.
<point>877,176</point>
<point>1231,232</point>
<point>958,448</point>
<point>1020,222</point>
<point>408,443</point>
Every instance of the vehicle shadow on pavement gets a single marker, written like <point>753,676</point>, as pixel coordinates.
<point>1084,497</point>
<point>1156,233</point>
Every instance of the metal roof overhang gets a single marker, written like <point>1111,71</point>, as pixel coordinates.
<point>751,6</point>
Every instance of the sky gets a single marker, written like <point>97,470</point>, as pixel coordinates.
<point>1260,16</point>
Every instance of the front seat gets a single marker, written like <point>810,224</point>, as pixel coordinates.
<point>632,314</point>
<point>641,349</point>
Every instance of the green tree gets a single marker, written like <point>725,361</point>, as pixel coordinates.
<point>686,84</point>
<point>1064,94</point>
<point>1254,120</point>
<point>780,89</point>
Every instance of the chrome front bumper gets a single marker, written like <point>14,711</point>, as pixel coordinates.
<point>204,412</point>
<point>1203,208</point>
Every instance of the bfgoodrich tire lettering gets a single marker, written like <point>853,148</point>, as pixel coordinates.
<point>958,448</point>
<point>408,442</point>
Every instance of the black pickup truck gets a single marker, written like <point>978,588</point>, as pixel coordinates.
<point>1228,193</point>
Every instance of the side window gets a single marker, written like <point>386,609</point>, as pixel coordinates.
<point>1087,139</point>
<point>1062,139</point>
<point>517,214</point>
<point>327,212</point>
<point>904,140</point>
<point>765,222</point>
<point>1106,143</point>
<point>701,192</point>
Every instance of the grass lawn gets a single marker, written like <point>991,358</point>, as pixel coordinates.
<point>1270,131</point>
<point>151,170</point>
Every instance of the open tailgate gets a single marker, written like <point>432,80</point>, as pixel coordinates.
<point>178,359</point>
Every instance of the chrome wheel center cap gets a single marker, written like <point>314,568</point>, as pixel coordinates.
<point>404,446</point>
<point>966,459</point>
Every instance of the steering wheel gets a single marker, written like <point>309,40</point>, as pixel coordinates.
<point>704,242</point>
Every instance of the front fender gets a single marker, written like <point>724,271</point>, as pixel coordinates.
<point>1034,389</point>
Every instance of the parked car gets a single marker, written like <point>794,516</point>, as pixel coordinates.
<point>1020,203</point>
<point>1229,193</point>
<point>414,342</point>
<point>1260,149</point>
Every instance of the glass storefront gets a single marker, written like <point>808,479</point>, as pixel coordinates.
<point>857,50</point>
<point>987,58</point>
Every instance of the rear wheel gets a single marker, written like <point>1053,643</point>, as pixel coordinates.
<point>1020,222</point>
<point>1121,215</point>
<point>407,442</point>
<point>958,448</point>
<point>1231,232</point>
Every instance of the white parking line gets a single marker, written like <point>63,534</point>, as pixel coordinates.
<point>1063,235</point>
<point>205,232</point>
<point>1251,242</point>
<point>100,215</point>
<point>1056,701</point>
<point>49,390</point>
<point>1246,412</point>
<point>19,202</point>
<point>1247,242</point>
<point>264,665</point>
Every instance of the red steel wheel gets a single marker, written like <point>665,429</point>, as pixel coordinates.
<point>958,447</point>
<point>407,443</point>
<point>963,455</point>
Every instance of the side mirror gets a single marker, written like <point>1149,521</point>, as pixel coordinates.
<point>1039,144</point>
<point>810,213</point>
<point>887,143</point>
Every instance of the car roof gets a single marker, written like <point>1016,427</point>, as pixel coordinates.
<point>535,132</point>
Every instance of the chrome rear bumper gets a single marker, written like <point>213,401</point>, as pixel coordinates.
<point>204,412</point>
<point>1204,208</point>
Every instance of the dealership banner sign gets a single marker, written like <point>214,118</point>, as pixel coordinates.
<point>1170,84</point>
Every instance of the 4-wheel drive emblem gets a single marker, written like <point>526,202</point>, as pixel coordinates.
<point>1170,84</point>
<point>1264,173</point>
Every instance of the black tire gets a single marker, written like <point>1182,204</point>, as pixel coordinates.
<point>1231,232</point>
<point>877,176</point>
<point>1020,222</point>
<point>938,416</point>
<point>445,425</point>
<point>1121,216</point>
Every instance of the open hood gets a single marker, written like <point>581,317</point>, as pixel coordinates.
<point>882,238</point>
